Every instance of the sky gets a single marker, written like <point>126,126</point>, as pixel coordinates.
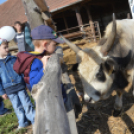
<point>2,1</point>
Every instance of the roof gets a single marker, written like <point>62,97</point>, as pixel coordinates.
<point>58,4</point>
<point>13,10</point>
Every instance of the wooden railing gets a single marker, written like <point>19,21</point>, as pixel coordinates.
<point>75,32</point>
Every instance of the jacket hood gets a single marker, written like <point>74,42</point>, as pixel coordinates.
<point>24,59</point>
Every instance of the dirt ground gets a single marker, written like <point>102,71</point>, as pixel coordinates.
<point>97,118</point>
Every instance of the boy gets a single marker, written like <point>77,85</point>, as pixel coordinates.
<point>13,86</point>
<point>28,63</point>
<point>23,38</point>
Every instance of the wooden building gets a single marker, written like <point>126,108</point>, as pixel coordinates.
<point>71,16</point>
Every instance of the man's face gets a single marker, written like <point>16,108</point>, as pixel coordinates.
<point>50,47</point>
<point>18,27</point>
<point>4,49</point>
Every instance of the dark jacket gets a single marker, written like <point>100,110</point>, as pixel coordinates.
<point>8,77</point>
<point>23,63</point>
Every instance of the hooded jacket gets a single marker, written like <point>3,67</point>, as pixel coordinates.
<point>24,62</point>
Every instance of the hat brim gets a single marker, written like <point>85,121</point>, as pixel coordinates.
<point>59,40</point>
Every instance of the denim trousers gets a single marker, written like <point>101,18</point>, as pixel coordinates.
<point>23,107</point>
<point>2,109</point>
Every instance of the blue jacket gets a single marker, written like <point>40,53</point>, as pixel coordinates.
<point>36,72</point>
<point>8,77</point>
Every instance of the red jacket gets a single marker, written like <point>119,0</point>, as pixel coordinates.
<point>23,63</point>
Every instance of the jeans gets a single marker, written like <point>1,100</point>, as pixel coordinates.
<point>23,107</point>
<point>2,109</point>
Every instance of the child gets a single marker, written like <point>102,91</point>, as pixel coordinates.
<point>28,63</point>
<point>13,86</point>
<point>23,39</point>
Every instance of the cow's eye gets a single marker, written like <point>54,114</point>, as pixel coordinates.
<point>100,75</point>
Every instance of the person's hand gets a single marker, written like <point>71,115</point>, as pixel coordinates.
<point>4,96</point>
<point>44,60</point>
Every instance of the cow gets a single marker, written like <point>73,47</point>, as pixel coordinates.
<point>109,65</point>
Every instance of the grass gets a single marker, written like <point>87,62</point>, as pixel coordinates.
<point>9,122</point>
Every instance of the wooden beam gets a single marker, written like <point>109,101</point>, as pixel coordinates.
<point>51,116</point>
<point>91,22</point>
<point>33,17</point>
<point>78,15</point>
<point>39,16</point>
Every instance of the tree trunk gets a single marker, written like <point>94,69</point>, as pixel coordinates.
<point>39,16</point>
<point>33,17</point>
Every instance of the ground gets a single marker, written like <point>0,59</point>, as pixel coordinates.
<point>97,119</point>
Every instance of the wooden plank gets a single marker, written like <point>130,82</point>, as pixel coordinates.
<point>72,99</point>
<point>51,117</point>
<point>78,15</point>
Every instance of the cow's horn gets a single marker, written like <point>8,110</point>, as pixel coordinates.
<point>110,41</point>
<point>71,45</point>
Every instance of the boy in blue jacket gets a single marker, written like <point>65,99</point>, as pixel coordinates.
<point>32,64</point>
<point>13,86</point>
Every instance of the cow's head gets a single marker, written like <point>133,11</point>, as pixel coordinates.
<point>95,69</point>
